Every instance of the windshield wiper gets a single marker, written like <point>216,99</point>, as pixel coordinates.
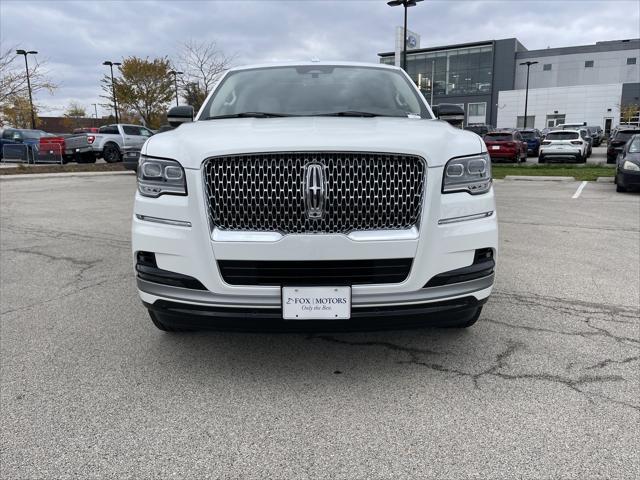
<point>249,115</point>
<point>350,113</point>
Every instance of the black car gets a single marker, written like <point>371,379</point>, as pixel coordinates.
<point>597,134</point>
<point>479,129</point>
<point>628,165</point>
<point>618,139</point>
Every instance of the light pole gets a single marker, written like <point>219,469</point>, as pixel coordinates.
<point>113,86</point>
<point>406,4</point>
<point>526,95</point>
<point>175,74</point>
<point>26,66</point>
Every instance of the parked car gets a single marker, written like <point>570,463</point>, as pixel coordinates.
<point>619,136</point>
<point>563,144</point>
<point>586,135</point>
<point>479,129</point>
<point>506,145</point>
<point>111,140</point>
<point>288,199</point>
<point>628,165</point>
<point>533,137</point>
<point>597,133</point>
<point>20,144</point>
<point>68,146</point>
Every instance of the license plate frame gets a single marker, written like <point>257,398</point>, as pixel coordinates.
<point>314,303</point>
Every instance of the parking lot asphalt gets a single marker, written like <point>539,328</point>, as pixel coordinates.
<point>545,385</point>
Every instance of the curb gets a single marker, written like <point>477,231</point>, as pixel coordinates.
<point>604,179</point>
<point>539,178</point>
<point>42,176</point>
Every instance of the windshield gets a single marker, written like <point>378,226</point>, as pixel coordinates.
<point>528,135</point>
<point>498,137</point>
<point>624,136</point>
<point>315,90</point>
<point>635,145</point>
<point>563,135</point>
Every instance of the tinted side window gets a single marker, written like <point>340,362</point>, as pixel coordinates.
<point>7,134</point>
<point>109,129</point>
<point>131,130</point>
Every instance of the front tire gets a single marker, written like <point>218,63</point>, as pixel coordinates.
<point>541,159</point>
<point>157,321</point>
<point>471,321</point>
<point>111,153</point>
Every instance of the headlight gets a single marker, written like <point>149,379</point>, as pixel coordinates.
<point>467,174</point>
<point>158,176</point>
<point>627,165</point>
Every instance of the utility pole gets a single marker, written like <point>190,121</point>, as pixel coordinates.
<point>26,66</point>
<point>113,86</point>
<point>406,4</point>
<point>526,95</point>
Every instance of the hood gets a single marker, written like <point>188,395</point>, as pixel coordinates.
<point>435,140</point>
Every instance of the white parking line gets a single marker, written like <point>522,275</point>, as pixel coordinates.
<point>579,190</point>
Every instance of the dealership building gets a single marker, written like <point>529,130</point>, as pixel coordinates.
<point>588,83</point>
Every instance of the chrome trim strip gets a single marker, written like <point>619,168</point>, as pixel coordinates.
<point>272,297</point>
<point>382,235</point>
<point>165,221</point>
<point>219,235</point>
<point>465,218</point>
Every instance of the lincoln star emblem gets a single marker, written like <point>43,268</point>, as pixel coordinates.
<point>314,190</point>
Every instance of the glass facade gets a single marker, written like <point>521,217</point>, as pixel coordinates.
<point>454,72</point>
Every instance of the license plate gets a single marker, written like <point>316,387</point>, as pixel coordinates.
<point>316,303</point>
<point>495,147</point>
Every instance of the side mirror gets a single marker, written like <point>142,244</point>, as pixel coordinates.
<point>450,113</point>
<point>176,116</point>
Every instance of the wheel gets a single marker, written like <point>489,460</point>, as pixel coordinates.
<point>517,158</point>
<point>471,321</point>
<point>541,159</point>
<point>589,153</point>
<point>161,326</point>
<point>111,153</point>
<point>620,189</point>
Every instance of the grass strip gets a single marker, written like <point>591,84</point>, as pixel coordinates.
<point>21,169</point>
<point>579,172</point>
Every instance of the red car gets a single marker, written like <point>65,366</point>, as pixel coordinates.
<point>506,145</point>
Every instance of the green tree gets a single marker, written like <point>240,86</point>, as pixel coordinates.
<point>143,87</point>
<point>75,110</point>
<point>17,112</point>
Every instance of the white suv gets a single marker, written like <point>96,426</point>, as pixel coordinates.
<point>313,191</point>
<point>562,144</point>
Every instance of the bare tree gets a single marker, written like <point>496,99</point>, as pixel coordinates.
<point>202,64</point>
<point>13,77</point>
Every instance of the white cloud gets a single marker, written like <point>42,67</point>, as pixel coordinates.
<point>77,37</point>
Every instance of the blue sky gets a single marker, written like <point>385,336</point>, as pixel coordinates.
<point>75,37</point>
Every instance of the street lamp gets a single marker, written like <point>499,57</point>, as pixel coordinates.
<point>113,86</point>
<point>526,95</point>
<point>26,66</point>
<point>175,74</point>
<point>406,4</point>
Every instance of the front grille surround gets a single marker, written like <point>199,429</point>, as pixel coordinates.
<point>264,192</point>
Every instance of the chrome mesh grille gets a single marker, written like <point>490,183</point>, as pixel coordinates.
<point>265,191</point>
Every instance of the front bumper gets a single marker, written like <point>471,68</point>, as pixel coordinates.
<point>190,248</point>
<point>628,178</point>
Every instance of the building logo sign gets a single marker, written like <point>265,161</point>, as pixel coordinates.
<point>413,42</point>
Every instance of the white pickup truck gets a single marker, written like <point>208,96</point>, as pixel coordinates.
<point>112,141</point>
